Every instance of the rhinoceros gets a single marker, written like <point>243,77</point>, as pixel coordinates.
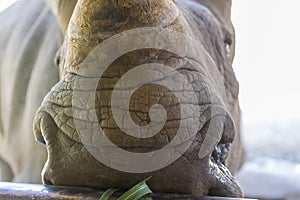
<point>134,77</point>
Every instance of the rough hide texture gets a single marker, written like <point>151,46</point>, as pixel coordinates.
<point>69,162</point>
<point>29,40</point>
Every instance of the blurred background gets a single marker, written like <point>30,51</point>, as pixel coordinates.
<point>5,3</point>
<point>267,65</point>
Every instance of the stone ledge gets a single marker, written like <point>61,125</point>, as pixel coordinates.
<point>15,191</point>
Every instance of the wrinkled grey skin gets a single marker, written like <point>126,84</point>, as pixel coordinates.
<point>69,163</point>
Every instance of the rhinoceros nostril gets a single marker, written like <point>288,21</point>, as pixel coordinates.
<point>220,153</point>
<point>43,124</point>
<point>221,150</point>
<point>46,180</point>
<point>40,138</point>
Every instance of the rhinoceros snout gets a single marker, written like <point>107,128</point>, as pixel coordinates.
<point>199,169</point>
<point>158,110</point>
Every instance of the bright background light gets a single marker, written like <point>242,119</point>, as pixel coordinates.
<point>267,65</point>
<point>5,3</point>
<point>267,59</point>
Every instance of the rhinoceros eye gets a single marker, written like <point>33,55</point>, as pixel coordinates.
<point>228,43</point>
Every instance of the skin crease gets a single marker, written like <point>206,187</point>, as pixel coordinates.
<point>187,174</point>
<point>90,24</point>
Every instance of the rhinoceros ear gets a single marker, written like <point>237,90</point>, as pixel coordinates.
<point>63,10</point>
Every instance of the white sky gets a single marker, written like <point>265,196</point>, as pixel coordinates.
<point>267,58</point>
<point>5,3</point>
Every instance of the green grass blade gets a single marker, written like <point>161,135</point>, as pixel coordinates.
<point>136,192</point>
<point>107,194</point>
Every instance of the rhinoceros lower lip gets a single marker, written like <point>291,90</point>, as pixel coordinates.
<point>225,185</point>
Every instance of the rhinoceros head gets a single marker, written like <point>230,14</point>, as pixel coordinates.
<point>147,89</point>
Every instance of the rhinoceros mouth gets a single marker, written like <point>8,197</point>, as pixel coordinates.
<point>57,112</point>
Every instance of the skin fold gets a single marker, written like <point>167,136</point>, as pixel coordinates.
<point>70,163</point>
